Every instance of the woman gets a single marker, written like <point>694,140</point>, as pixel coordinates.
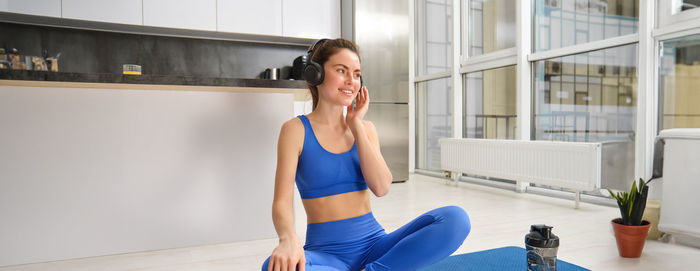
<point>334,160</point>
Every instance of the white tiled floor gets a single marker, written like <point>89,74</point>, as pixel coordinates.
<point>499,218</point>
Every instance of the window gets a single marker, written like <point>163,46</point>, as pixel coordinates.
<point>434,91</point>
<point>562,23</point>
<point>676,11</point>
<point>679,77</point>
<point>490,104</point>
<point>588,97</point>
<point>434,48</point>
<point>689,4</point>
<point>434,117</point>
<point>488,88</point>
<point>591,97</point>
<point>580,77</point>
<point>491,25</point>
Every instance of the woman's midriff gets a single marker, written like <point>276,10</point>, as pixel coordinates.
<point>337,207</point>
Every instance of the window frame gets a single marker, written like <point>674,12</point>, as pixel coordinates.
<point>466,61</point>
<point>420,54</point>
<point>667,15</point>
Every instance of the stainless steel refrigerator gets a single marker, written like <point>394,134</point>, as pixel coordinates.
<point>381,31</point>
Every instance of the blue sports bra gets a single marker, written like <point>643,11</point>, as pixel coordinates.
<point>321,173</point>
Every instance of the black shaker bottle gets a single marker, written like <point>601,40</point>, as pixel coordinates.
<point>541,247</point>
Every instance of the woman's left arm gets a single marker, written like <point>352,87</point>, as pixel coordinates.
<point>374,168</point>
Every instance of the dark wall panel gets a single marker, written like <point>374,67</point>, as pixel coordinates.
<point>87,51</point>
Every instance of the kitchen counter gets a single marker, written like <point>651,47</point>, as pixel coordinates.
<point>149,82</point>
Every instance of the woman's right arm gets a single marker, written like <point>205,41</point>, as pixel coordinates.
<point>289,254</point>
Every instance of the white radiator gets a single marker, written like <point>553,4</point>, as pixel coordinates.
<point>571,165</point>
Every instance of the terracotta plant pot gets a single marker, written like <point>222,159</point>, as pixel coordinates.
<point>630,239</point>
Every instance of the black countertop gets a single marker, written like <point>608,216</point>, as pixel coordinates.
<point>106,78</point>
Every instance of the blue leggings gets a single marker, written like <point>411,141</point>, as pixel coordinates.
<point>360,242</point>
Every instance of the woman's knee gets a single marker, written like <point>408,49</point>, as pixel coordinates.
<point>456,218</point>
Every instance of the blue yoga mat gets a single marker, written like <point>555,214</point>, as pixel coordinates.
<point>501,259</point>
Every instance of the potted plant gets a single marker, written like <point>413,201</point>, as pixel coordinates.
<point>630,230</point>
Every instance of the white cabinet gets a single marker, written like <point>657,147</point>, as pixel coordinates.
<point>106,171</point>
<point>50,8</point>
<point>311,18</point>
<point>261,17</point>
<point>123,12</point>
<point>288,18</point>
<point>187,14</point>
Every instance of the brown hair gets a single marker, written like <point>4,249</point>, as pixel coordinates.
<point>323,52</point>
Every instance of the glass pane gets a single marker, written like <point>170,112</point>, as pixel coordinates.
<point>591,97</point>
<point>561,23</point>
<point>679,78</point>
<point>689,4</point>
<point>491,25</point>
<point>434,117</point>
<point>434,40</point>
<point>490,109</point>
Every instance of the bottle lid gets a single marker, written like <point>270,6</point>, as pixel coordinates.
<point>541,236</point>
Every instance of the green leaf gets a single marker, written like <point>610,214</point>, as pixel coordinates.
<point>641,185</point>
<point>615,196</point>
<point>638,208</point>
<point>632,203</point>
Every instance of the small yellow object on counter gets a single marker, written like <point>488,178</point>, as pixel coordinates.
<point>131,69</point>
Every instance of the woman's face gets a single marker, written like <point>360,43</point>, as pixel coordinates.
<point>342,78</point>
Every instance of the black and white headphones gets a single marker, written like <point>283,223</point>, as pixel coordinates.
<point>313,71</point>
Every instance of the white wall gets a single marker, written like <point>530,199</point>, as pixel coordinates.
<point>88,172</point>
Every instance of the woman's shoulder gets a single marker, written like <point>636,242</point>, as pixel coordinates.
<point>292,128</point>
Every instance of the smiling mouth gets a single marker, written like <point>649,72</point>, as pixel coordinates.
<point>345,91</point>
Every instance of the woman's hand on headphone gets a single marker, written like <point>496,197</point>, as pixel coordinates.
<point>355,115</point>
